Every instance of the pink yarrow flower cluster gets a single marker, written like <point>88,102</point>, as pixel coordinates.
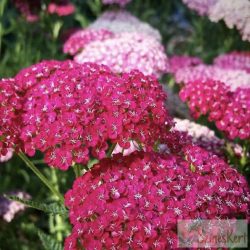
<point>233,13</point>
<point>178,62</point>
<point>122,21</point>
<point>122,3</point>
<point>233,78</point>
<point>234,60</point>
<point>134,202</point>
<point>79,39</point>
<point>28,8</point>
<point>229,110</point>
<point>125,52</point>
<point>61,7</point>
<point>70,111</point>
<point>201,6</point>
<point>10,105</point>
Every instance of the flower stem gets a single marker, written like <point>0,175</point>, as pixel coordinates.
<point>111,149</point>
<point>40,176</point>
<point>77,170</point>
<point>2,7</point>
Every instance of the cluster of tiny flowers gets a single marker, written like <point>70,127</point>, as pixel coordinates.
<point>70,111</point>
<point>233,13</point>
<point>234,60</point>
<point>122,21</point>
<point>125,52</point>
<point>6,157</point>
<point>80,38</point>
<point>8,208</point>
<point>122,3</point>
<point>229,110</point>
<point>201,6</point>
<point>10,105</point>
<point>233,78</point>
<point>201,135</point>
<point>178,62</point>
<point>61,7</point>
<point>28,8</point>
<point>135,201</point>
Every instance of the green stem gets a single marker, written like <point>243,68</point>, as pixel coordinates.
<point>41,176</point>
<point>2,7</point>
<point>57,220</point>
<point>111,149</point>
<point>77,170</point>
<point>38,162</point>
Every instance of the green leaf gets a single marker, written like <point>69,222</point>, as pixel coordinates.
<point>48,242</point>
<point>53,208</point>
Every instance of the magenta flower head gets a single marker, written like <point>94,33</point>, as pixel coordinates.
<point>230,110</point>
<point>10,105</point>
<point>28,8</point>
<point>234,60</point>
<point>70,111</point>
<point>134,202</point>
<point>127,51</point>
<point>61,7</point>
<point>121,3</point>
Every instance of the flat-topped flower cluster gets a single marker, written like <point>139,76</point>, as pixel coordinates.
<point>30,8</point>
<point>122,42</point>
<point>69,111</point>
<point>229,110</point>
<point>122,3</point>
<point>221,91</point>
<point>134,202</point>
<point>233,13</point>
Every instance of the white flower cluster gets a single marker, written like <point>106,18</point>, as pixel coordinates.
<point>122,21</point>
<point>235,13</point>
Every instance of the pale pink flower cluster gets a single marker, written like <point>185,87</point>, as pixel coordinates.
<point>233,78</point>
<point>201,6</point>
<point>122,21</point>
<point>9,209</point>
<point>235,13</point>
<point>122,3</point>
<point>234,60</point>
<point>125,52</point>
<point>177,62</point>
